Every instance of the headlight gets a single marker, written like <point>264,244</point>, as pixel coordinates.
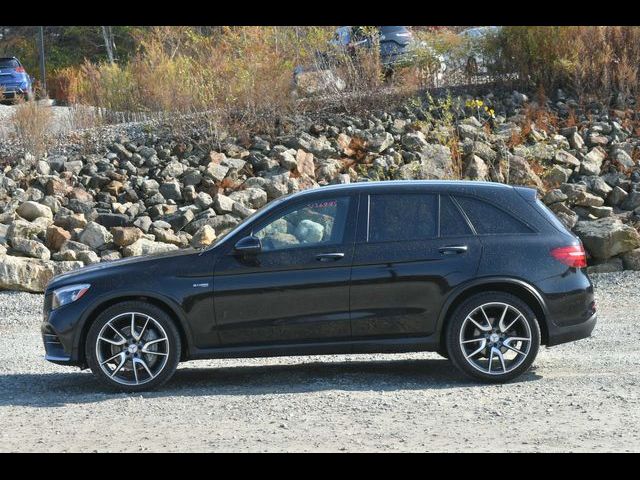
<point>69,294</point>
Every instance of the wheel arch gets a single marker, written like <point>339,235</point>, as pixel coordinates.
<point>521,289</point>
<point>164,304</point>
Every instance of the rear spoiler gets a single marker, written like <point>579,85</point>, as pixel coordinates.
<point>529,194</point>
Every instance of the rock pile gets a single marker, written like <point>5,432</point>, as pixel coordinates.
<point>162,192</point>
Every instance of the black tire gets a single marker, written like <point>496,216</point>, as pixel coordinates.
<point>442,351</point>
<point>172,346</point>
<point>458,320</point>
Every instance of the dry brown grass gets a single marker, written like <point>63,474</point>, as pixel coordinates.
<point>30,123</point>
<point>592,61</point>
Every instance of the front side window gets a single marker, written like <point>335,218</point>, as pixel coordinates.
<point>397,217</point>
<point>315,223</point>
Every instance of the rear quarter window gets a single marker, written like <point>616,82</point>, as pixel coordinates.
<point>488,219</point>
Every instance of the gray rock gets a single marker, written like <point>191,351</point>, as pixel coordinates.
<point>31,248</point>
<point>566,159</point>
<point>95,235</point>
<point>145,246</point>
<point>250,197</point>
<point>631,259</point>
<point>476,169</point>
<point>601,212</point>
<point>620,156</point>
<point>632,201</point>
<point>592,162</point>
<point>88,257</point>
<point>30,275</point>
<point>32,210</point>
<point>204,237</point>
<point>558,175</point>
<point>520,173</point>
<point>216,172</point>
<point>617,196</point>
<point>607,237</point>
<point>554,196</point>
<point>308,231</point>
<point>223,204</point>
<point>171,190</point>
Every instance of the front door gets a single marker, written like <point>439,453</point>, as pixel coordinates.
<point>296,289</point>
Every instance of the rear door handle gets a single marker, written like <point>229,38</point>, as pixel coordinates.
<point>328,257</point>
<point>451,249</point>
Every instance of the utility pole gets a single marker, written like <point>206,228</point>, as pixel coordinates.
<point>43,73</point>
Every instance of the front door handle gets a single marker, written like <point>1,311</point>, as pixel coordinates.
<point>328,257</point>
<point>451,249</point>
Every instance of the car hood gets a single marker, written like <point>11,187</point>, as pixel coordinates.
<point>80,273</point>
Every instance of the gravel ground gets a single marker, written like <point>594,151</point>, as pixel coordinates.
<point>581,396</point>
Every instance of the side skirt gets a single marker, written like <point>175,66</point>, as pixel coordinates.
<point>384,345</point>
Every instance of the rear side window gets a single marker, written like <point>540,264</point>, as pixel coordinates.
<point>487,219</point>
<point>452,223</point>
<point>9,63</point>
<point>394,217</point>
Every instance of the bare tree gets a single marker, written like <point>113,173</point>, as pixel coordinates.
<point>109,43</point>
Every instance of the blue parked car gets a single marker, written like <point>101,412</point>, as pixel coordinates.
<point>14,80</point>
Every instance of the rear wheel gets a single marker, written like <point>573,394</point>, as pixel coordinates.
<point>493,337</point>
<point>133,346</point>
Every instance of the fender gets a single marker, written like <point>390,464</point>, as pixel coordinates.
<point>169,302</point>
<point>477,282</point>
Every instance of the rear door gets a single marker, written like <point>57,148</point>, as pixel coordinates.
<point>412,248</point>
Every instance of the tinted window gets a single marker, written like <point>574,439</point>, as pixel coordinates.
<point>401,217</point>
<point>8,63</point>
<point>452,222</point>
<point>487,219</point>
<point>312,224</point>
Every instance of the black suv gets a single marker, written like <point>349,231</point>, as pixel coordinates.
<point>482,273</point>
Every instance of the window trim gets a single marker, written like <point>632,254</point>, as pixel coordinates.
<point>457,206</point>
<point>534,231</point>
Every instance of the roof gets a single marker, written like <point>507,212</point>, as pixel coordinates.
<point>395,184</point>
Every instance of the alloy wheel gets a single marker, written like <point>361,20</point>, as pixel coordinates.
<point>495,338</point>
<point>132,348</point>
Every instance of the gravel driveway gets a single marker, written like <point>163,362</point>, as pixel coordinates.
<point>582,396</point>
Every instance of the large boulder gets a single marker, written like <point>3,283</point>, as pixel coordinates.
<point>607,237</point>
<point>31,275</point>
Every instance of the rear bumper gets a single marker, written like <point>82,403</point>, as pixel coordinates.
<point>569,333</point>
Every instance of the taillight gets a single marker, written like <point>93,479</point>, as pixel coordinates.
<point>573,256</point>
<point>19,70</point>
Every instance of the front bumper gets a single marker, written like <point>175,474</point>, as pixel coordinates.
<point>59,331</point>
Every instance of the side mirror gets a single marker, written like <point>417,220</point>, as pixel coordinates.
<point>248,245</point>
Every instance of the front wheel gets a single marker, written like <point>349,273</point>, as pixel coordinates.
<point>493,337</point>
<point>133,346</point>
